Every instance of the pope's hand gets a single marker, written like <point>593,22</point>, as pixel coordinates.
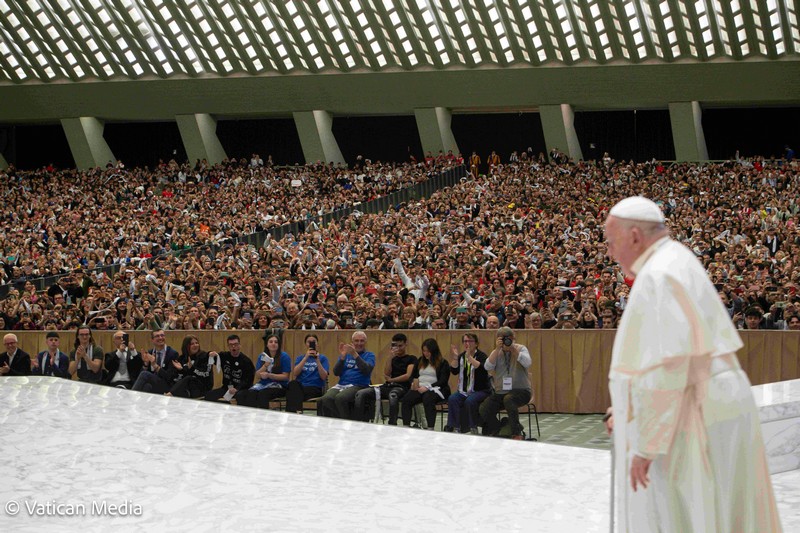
<point>639,468</point>
<point>608,420</point>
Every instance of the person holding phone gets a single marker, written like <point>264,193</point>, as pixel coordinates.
<point>309,374</point>
<point>123,364</point>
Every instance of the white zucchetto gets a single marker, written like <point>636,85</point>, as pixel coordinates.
<point>637,208</point>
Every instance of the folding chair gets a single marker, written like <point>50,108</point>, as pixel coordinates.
<point>528,408</point>
<point>310,404</point>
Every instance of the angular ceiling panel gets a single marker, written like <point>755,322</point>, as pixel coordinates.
<point>46,41</point>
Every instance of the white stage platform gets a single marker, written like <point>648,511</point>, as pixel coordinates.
<point>188,465</point>
<point>779,409</point>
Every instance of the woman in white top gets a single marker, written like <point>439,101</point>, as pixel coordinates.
<point>430,383</point>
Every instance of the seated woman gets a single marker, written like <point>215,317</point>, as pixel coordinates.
<point>273,368</point>
<point>474,386</point>
<point>430,386</point>
<point>310,373</point>
<point>197,376</point>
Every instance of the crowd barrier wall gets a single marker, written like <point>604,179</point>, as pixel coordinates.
<point>448,178</point>
<point>570,368</point>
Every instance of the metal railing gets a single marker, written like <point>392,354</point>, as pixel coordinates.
<point>425,189</point>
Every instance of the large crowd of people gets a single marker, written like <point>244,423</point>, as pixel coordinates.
<point>521,245</point>
<point>58,220</point>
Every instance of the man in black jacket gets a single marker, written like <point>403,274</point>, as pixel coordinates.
<point>159,370</point>
<point>14,362</point>
<point>237,371</point>
<point>123,364</point>
<point>473,386</point>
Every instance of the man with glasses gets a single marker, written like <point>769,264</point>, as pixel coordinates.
<point>512,386</point>
<point>354,368</point>
<point>473,386</point>
<point>123,364</point>
<point>397,381</point>
<point>14,362</point>
<point>159,370</point>
<point>238,371</point>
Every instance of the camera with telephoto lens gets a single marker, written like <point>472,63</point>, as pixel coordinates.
<point>508,341</point>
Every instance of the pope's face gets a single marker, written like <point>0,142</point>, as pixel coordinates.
<point>621,244</point>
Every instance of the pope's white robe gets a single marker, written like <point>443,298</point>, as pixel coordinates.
<point>681,399</point>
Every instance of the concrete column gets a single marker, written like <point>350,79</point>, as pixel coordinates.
<point>435,134</point>
<point>6,142</point>
<point>316,136</point>
<point>199,135</point>
<point>686,119</point>
<point>558,123</point>
<point>85,137</point>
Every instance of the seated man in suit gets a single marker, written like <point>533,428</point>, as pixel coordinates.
<point>123,364</point>
<point>86,360</point>
<point>52,361</point>
<point>14,362</point>
<point>159,366</point>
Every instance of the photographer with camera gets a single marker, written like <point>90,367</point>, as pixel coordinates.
<point>122,364</point>
<point>512,387</point>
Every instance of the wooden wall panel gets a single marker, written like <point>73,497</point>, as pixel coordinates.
<point>569,368</point>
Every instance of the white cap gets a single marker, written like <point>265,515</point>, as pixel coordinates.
<point>637,208</point>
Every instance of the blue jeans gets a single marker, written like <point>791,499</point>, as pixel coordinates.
<point>472,402</point>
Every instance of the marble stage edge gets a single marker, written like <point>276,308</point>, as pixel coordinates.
<point>173,464</point>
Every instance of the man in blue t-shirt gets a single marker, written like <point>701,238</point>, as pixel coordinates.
<point>354,368</point>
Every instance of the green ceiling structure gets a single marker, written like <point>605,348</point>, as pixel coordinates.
<point>48,41</point>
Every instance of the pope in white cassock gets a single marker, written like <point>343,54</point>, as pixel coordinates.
<point>687,438</point>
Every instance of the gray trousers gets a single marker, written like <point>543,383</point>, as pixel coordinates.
<point>338,403</point>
